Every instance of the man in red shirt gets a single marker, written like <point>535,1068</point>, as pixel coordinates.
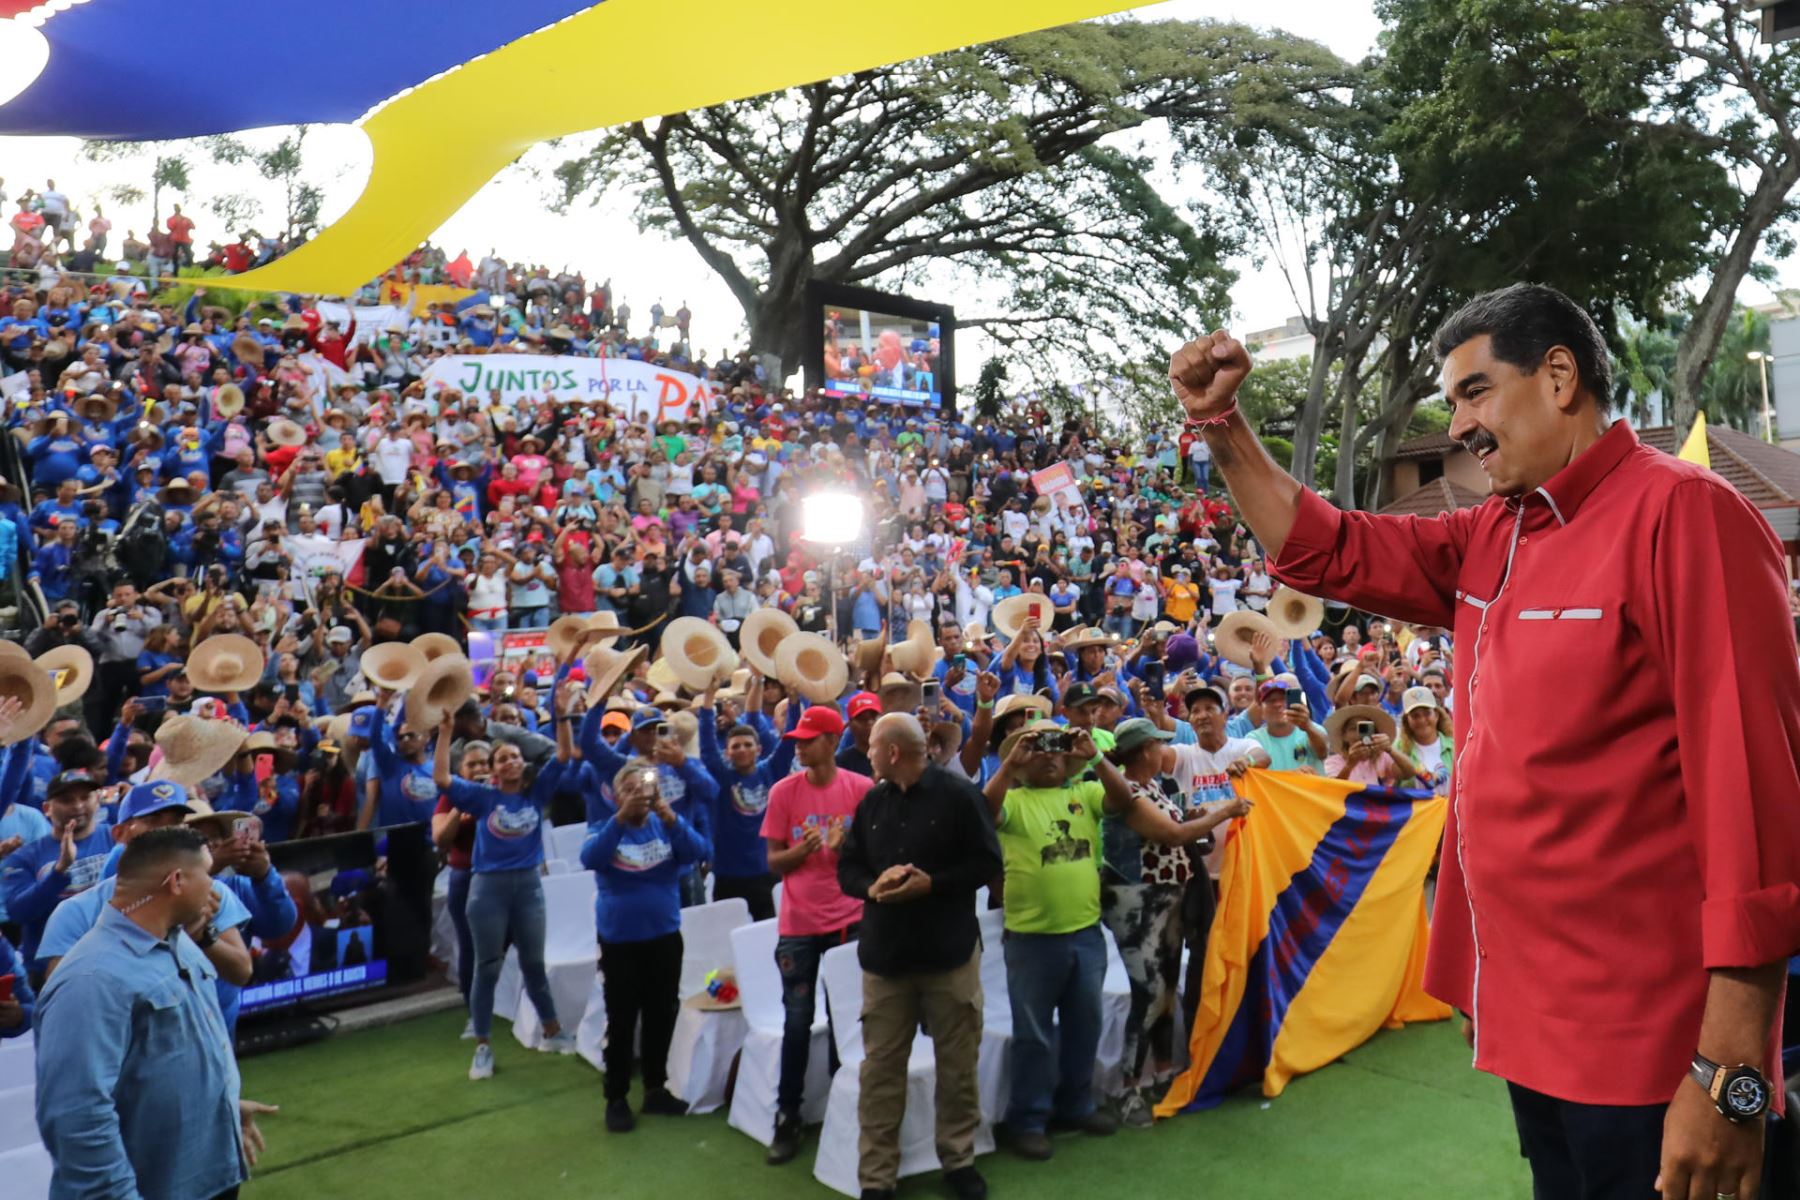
<point>804,825</point>
<point>1618,896</point>
<point>181,233</point>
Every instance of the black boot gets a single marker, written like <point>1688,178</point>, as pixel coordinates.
<point>787,1139</point>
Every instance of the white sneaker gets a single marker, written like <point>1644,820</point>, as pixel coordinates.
<point>483,1066</point>
<point>468,1033</point>
<point>562,1043</point>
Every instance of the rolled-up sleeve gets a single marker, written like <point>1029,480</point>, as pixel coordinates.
<point>1403,567</point>
<point>1722,626</point>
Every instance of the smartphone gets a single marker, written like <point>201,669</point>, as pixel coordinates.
<point>1154,674</point>
<point>1296,698</point>
<point>293,692</point>
<point>153,703</point>
<point>1053,741</point>
<point>1365,730</point>
<point>6,988</point>
<point>959,662</point>
<point>929,691</point>
<point>240,828</point>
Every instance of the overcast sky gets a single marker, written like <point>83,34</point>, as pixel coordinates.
<point>510,215</point>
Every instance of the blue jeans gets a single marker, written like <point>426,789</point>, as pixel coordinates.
<point>490,624</point>
<point>1203,474</point>
<point>503,902</point>
<point>531,618</point>
<point>797,958</point>
<point>1053,981</point>
<point>459,917</point>
<point>1120,625</point>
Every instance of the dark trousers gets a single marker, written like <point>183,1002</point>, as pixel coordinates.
<point>1198,904</point>
<point>642,982</point>
<point>758,891</point>
<point>114,681</point>
<point>797,958</point>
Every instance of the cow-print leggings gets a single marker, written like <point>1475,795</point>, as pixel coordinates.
<point>1145,919</point>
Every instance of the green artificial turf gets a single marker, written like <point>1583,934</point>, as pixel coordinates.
<point>391,1112</point>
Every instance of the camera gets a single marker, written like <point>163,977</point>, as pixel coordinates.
<point>1365,730</point>
<point>121,625</point>
<point>1053,741</point>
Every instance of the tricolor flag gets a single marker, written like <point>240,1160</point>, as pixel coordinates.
<point>1320,934</point>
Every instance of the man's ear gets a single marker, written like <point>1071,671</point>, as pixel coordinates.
<point>1564,376</point>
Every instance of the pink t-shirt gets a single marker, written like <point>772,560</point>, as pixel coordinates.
<point>811,901</point>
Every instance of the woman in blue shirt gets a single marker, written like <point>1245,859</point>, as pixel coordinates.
<point>506,896</point>
<point>1024,667</point>
<point>157,663</point>
<point>637,857</point>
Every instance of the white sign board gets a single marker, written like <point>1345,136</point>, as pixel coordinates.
<point>642,390</point>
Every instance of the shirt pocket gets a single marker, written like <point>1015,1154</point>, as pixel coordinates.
<point>164,1024</point>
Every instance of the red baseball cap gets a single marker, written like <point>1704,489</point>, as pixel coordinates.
<point>864,702</point>
<point>817,721</point>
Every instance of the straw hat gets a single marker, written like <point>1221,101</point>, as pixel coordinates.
<point>1236,631</point>
<point>811,665</point>
<point>392,665</point>
<point>975,635</point>
<point>178,491</point>
<point>1009,615</point>
<point>194,750</point>
<point>698,653</point>
<point>97,408</point>
<point>439,690</point>
<point>213,823</point>
<point>246,349</point>
<point>661,677</point>
<point>670,702</point>
<point>567,634</point>
<point>602,683</point>
<point>917,655</point>
<point>865,655</point>
<point>1011,704</point>
<point>225,662</point>
<point>686,728</point>
<point>264,743</point>
<point>13,650</point>
<point>1294,614</point>
<point>436,645</point>
<point>23,680</point>
<point>71,668</point>
<point>762,635</point>
<point>738,688</point>
<point>1346,718</point>
<point>284,432</point>
<point>228,402</point>
<point>1077,639</point>
<point>904,691</point>
<point>603,629</point>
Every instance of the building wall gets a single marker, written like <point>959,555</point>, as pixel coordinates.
<point>1784,380</point>
<point>1462,469</point>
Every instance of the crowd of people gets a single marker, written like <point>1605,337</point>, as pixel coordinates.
<point>991,691</point>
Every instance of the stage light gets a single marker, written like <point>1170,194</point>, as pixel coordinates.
<point>831,518</point>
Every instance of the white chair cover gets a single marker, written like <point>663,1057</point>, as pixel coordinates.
<point>706,1043</point>
<point>570,954</point>
<point>562,843</point>
<point>443,931</point>
<point>759,1063</point>
<point>836,1164</point>
<point>26,1173</point>
<point>18,1118</point>
<point>18,1063</point>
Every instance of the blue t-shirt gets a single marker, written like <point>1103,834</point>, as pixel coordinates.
<point>32,886</point>
<point>509,826</point>
<point>739,851</point>
<point>637,875</point>
<point>28,824</point>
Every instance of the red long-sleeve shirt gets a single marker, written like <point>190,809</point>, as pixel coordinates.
<point>1625,814</point>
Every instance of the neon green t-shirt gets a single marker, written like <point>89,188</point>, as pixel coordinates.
<point>1050,841</point>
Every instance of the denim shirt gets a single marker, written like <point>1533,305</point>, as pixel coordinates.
<point>137,1090</point>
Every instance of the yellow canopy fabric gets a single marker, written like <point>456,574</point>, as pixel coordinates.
<point>436,145</point>
<point>1695,450</point>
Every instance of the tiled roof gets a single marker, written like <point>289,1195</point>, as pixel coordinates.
<point>1765,474</point>
<point>1438,496</point>
<point>1426,445</point>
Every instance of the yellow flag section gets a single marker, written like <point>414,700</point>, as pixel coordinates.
<point>1695,449</point>
<point>435,145</point>
<point>1320,934</point>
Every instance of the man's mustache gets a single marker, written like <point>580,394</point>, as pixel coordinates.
<point>1479,442</point>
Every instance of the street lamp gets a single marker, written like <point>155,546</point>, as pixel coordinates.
<point>1762,364</point>
<point>831,519</point>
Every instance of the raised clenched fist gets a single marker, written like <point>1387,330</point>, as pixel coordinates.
<point>1207,372</point>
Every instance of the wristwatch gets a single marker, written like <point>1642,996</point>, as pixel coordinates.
<point>208,936</point>
<point>1740,1093</point>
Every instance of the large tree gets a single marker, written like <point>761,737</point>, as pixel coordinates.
<point>1006,172</point>
<point>1735,97</point>
<point>1495,140</point>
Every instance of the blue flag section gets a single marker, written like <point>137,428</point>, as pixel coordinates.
<point>1320,934</point>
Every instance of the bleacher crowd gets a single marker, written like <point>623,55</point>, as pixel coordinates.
<point>279,602</point>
